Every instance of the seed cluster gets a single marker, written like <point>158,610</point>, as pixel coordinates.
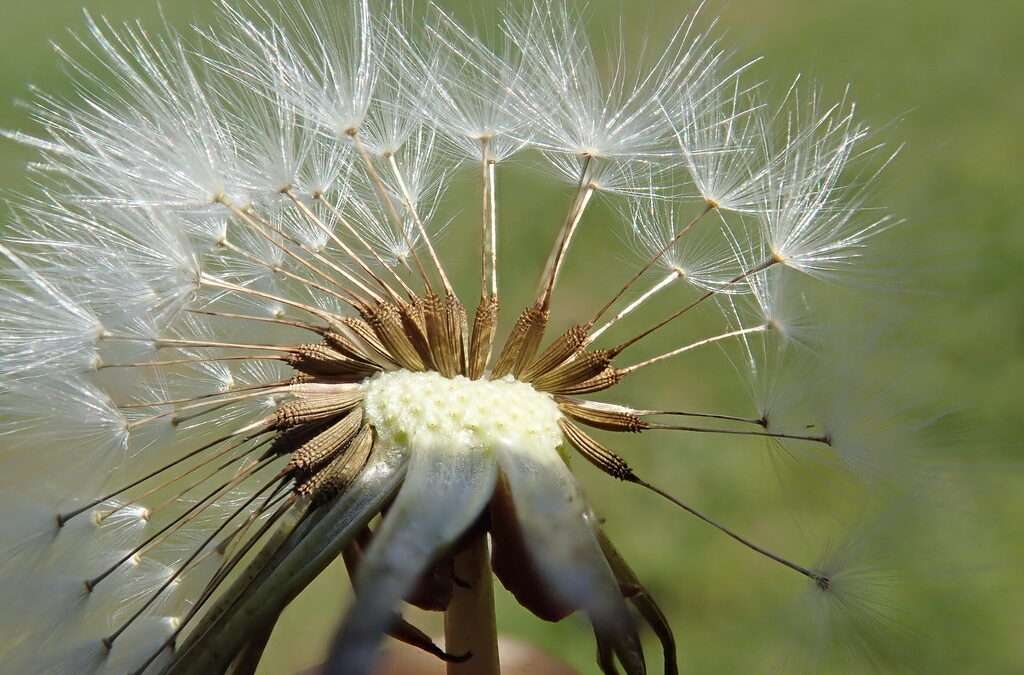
<point>411,365</point>
<point>281,186</point>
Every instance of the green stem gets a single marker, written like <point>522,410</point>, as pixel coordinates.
<point>248,660</point>
<point>469,624</point>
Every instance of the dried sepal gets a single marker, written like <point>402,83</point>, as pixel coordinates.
<point>405,632</point>
<point>401,630</point>
<point>637,594</point>
<point>512,564</point>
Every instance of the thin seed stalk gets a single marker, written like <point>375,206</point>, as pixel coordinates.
<point>469,623</point>
<point>643,270</point>
<point>584,192</point>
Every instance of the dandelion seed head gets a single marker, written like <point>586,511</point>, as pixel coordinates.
<point>589,116</point>
<point>227,320</point>
<point>331,87</point>
<point>471,92</point>
<point>716,128</point>
<point>813,216</point>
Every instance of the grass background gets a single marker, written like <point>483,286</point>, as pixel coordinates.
<point>943,76</point>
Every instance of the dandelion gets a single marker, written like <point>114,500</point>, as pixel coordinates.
<point>232,350</point>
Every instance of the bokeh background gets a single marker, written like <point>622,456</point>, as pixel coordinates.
<point>942,76</point>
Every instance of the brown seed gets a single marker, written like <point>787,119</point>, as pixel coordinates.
<point>641,598</point>
<point>348,344</point>
<point>290,440</point>
<point>338,474</point>
<point>564,347</point>
<point>366,333</point>
<point>579,370</point>
<point>522,342</point>
<point>401,630</point>
<point>414,322</point>
<point>319,359</point>
<point>322,448</point>
<point>597,454</point>
<point>607,378</point>
<point>315,409</point>
<point>386,323</point>
<point>482,342</point>
<point>437,337</point>
<point>603,415</point>
<point>456,328</point>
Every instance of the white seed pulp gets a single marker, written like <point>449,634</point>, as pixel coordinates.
<point>426,409</point>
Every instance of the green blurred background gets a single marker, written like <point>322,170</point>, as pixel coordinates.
<point>943,76</point>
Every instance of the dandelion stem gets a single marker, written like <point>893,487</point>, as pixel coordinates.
<point>198,467</point>
<point>217,404</point>
<point>716,416</point>
<point>109,640</point>
<point>249,214</point>
<point>214,282</point>
<point>260,225</point>
<point>315,255</point>
<point>225,569</point>
<point>65,517</point>
<point>469,623</point>
<point>182,362</point>
<point>177,523</point>
<point>203,397</point>
<point>161,343</point>
<point>273,267</point>
<point>493,199</point>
